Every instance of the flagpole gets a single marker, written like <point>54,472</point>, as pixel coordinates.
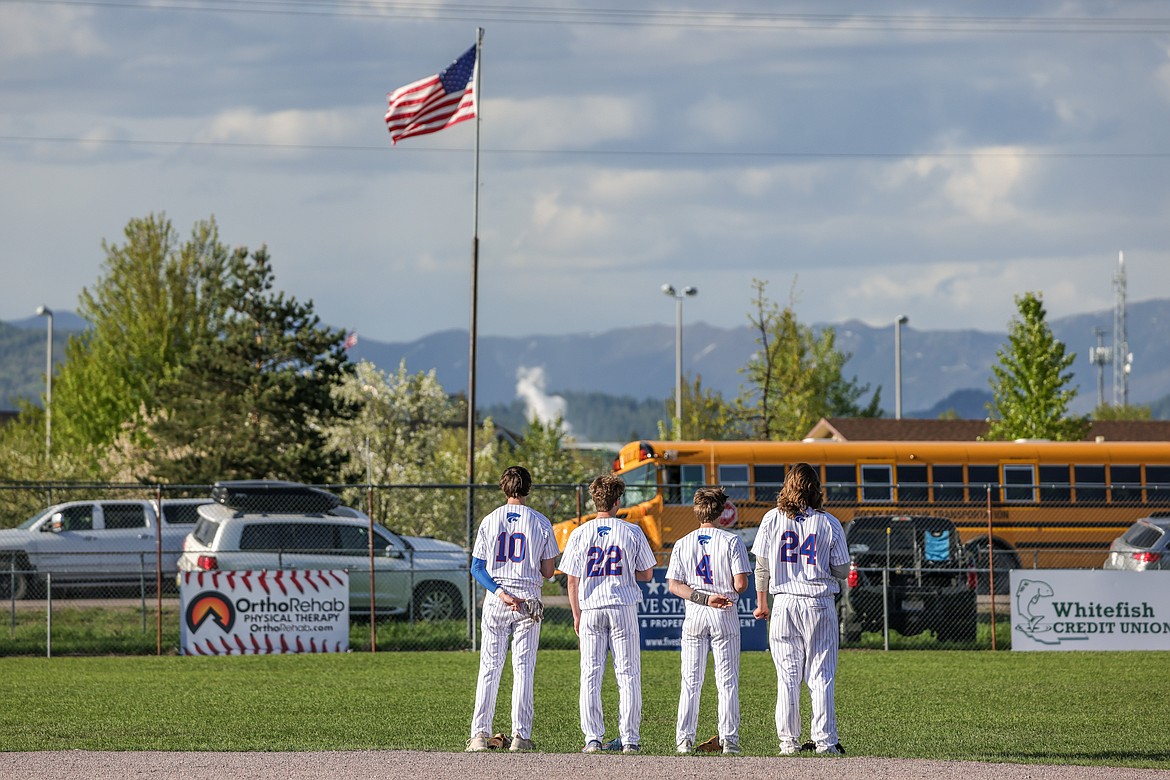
<point>472,347</point>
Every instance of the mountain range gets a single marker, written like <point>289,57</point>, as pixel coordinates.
<point>942,370</point>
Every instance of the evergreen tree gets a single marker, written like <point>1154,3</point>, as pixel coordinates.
<point>255,401</point>
<point>1030,383</point>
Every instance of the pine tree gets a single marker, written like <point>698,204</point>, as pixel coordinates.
<point>1031,381</point>
<point>255,401</point>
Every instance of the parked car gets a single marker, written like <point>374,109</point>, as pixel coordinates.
<point>930,585</point>
<point>94,544</point>
<point>267,525</point>
<point>1144,546</point>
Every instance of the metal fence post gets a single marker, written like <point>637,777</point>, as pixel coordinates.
<point>49,614</point>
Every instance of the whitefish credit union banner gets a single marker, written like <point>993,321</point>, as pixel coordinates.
<point>1079,609</point>
<point>264,612</point>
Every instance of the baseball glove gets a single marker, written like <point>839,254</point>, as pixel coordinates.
<point>710,746</point>
<point>499,741</point>
<point>535,609</point>
<point>808,747</point>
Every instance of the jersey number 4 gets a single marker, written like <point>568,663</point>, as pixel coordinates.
<point>703,570</point>
<point>792,548</point>
<point>604,562</point>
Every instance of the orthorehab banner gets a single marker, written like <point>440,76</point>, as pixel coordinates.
<point>263,612</point>
<point>1087,609</point>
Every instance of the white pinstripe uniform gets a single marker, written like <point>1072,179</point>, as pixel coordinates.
<point>708,560</point>
<point>604,554</point>
<point>803,634</point>
<point>513,539</point>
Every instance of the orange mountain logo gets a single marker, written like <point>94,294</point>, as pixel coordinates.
<point>210,605</point>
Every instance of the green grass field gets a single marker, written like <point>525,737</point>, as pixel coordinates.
<point>1062,708</point>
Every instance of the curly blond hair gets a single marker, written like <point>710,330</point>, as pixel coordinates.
<point>802,490</point>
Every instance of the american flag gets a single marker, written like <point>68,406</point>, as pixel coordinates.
<point>430,104</point>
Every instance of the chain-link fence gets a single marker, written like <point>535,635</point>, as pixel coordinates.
<point>95,569</point>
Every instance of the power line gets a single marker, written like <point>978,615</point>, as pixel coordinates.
<point>731,20</point>
<point>589,152</point>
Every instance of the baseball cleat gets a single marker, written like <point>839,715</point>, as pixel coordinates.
<point>730,749</point>
<point>685,746</point>
<point>788,748</point>
<point>592,746</point>
<point>631,749</point>
<point>477,743</point>
<point>520,743</point>
<point>831,750</point>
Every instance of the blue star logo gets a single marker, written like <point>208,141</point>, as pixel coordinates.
<point>603,530</point>
<point>704,539</point>
<point>512,517</point>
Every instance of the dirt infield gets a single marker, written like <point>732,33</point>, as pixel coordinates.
<point>89,765</point>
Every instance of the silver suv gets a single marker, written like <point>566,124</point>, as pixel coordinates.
<point>270,525</point>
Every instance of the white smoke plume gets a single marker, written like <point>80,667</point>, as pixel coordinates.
<point>539,405</point>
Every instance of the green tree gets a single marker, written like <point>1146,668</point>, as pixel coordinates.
<point>255,401</point>
<point>706,415</point>
<point>1030,384</point>
<point>156,300</point>
<point>1127,412</point>
<point>795,378</point>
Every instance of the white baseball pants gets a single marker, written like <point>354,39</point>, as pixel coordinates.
<point>803,638</point>
<point>603,629</point>
<point>715,630</point>
<point>498,624</point>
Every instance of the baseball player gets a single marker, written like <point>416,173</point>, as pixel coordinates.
<point>605,559</point>
<point>800,556</point>
<point>515,550</point>
<point>709,568</point>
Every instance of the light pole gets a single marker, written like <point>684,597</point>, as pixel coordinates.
<point>668,289</point>
<point>898,323</point>
<point>45,311</point>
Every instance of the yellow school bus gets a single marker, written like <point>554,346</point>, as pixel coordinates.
<point>1035,504</point>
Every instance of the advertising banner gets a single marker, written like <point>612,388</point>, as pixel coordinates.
<point>661,613</point>
<point>263,612</point>
<point>1090,609</point>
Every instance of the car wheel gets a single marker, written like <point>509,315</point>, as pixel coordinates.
<point>436,601</point>
<point>13,586</point>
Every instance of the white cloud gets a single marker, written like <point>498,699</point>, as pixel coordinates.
<point>30,32</point>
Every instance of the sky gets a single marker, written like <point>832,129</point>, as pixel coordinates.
<point>933,160</point>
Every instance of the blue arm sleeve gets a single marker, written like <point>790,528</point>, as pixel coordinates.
<point>480,572</point>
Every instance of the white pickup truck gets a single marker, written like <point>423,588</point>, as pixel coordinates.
<point>94,544</point>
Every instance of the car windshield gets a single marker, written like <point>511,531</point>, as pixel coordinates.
<point>33,520</point>
<point>870,537</point>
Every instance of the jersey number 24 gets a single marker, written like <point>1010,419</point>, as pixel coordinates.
<point>792,548</point>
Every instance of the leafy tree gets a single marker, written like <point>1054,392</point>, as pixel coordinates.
<point>1030,384</point>
<point>706,415</point>
<point>1127,412</point>
<point>255,401</point>
<point>795,378</point>
<point>155,301</point>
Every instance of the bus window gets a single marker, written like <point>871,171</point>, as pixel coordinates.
<point>948,484</point>
<point>877,482</point>
<point>1158,484</point>
<point>734,480</point>
<point>1018,480</point>
<point>680,483</point>
<point>979,477</point>
<point>1054,484</point>
<point>841,483</point>
<point>641,484</point>
<point>767,481</point>
<point>1127,483</point>
<point>912,483</point>
<point>1090,484</point>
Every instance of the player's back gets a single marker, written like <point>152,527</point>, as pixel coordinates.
<point>800,550</point>
<point>513,539</point>
<point>605,554</point>
<point>708,559</point>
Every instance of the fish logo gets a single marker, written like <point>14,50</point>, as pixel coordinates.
<point>605,529</point>
<point>512,517</point>
<point>211,605</point>
<point>704,538</point>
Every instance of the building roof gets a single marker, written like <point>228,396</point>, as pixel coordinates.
<point>886,429</point>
